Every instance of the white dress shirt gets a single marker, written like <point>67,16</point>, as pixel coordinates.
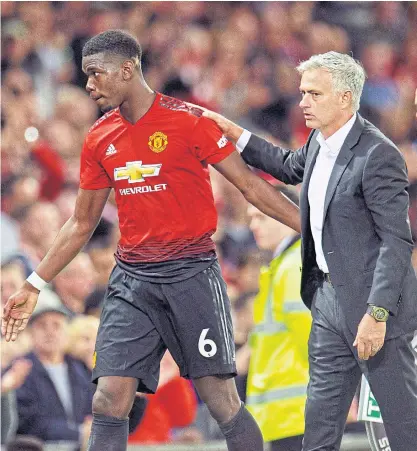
<point>326,158</point>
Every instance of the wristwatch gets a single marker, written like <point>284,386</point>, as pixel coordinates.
<point>380,314</point>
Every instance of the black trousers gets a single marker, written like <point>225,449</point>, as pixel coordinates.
<point>335,371</point>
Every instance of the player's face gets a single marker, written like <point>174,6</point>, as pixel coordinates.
<point>105,82</point>
<point>322,107</point>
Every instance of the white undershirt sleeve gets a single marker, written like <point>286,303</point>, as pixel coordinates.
<point>243,140</point>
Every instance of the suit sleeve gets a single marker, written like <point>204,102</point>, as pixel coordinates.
<point>283,164</point>
<point>385,184</point>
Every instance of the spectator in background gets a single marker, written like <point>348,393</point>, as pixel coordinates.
<point>247,271</point>
<point>54,402</point>
<point>12,276</point>
<point>20,192</point>
<point>380,92</point>
<point>103,261</point>
<point>75,283</point>
<point>39,225</point>
<point>279,355</point>
<point>9,237</point>
<point>11,379</point>
<point>14,368</point>
<point>81,338</point>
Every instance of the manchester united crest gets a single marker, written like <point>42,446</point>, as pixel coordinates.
<point>158,142</point>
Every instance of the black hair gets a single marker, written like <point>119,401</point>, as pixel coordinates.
<point>118,42</point>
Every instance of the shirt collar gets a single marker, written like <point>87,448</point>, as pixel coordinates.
<point>335,142</point>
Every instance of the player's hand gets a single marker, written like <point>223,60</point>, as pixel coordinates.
<point>229,128</point>
<point>17,311</point>
<point>370,337</point>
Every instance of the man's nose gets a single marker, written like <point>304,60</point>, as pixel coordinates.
<point>89,86</point>
<point>303,102</point>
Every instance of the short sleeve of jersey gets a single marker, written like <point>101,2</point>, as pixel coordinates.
<point>209,143</point>
<point>92,174</point>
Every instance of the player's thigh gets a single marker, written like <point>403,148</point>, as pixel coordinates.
<point>128,343</point>
<point>199,310</point>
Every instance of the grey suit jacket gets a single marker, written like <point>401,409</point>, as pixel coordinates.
<point>366,238</point>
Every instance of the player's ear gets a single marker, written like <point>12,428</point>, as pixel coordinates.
<point>128,69</point>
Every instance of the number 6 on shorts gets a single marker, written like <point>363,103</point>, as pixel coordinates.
<point>203,342</point>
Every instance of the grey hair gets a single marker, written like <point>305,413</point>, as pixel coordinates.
<point>347,73</point>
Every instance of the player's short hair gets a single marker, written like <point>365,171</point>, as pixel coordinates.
<point>347,73</point>
<point>117,42</point>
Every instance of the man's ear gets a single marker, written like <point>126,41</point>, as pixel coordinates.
<point>128,69</point>
<point>346,98</point>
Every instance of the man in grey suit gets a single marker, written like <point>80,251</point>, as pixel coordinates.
<point>357,276</point>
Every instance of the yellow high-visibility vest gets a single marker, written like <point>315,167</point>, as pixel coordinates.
<point>278,370</point>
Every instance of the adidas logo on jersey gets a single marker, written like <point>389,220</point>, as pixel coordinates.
<point>111,150</point>
<point>222,141</point>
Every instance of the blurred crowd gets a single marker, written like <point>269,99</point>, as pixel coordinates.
<point>235,57</point>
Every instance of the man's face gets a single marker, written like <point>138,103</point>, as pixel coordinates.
<point>105,82</point>
<point>267,231</point>
<point>12,279</point>
<point>322,107</point>
<point>49,333</point>
<point>67,282</point>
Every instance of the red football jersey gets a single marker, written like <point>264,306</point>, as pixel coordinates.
<point>158,168</point>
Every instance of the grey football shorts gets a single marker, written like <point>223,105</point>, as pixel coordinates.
<point>140,320</point>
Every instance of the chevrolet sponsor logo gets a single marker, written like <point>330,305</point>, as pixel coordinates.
<point>135,171</point>
<point>143,189</point>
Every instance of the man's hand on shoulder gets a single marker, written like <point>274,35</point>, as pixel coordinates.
<point>231,130</point>
<point>17,311</point>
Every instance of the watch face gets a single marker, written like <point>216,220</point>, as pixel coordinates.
<point>379,314</point>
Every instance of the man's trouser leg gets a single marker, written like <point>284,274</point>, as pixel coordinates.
<point>392,376</point>
<point>334,375</point>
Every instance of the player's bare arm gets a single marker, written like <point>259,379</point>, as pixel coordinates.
<point>258,192</point>
<point>73,236</point>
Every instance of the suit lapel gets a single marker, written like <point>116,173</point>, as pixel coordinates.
<point>304,205</point>
<point>342,160</point>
